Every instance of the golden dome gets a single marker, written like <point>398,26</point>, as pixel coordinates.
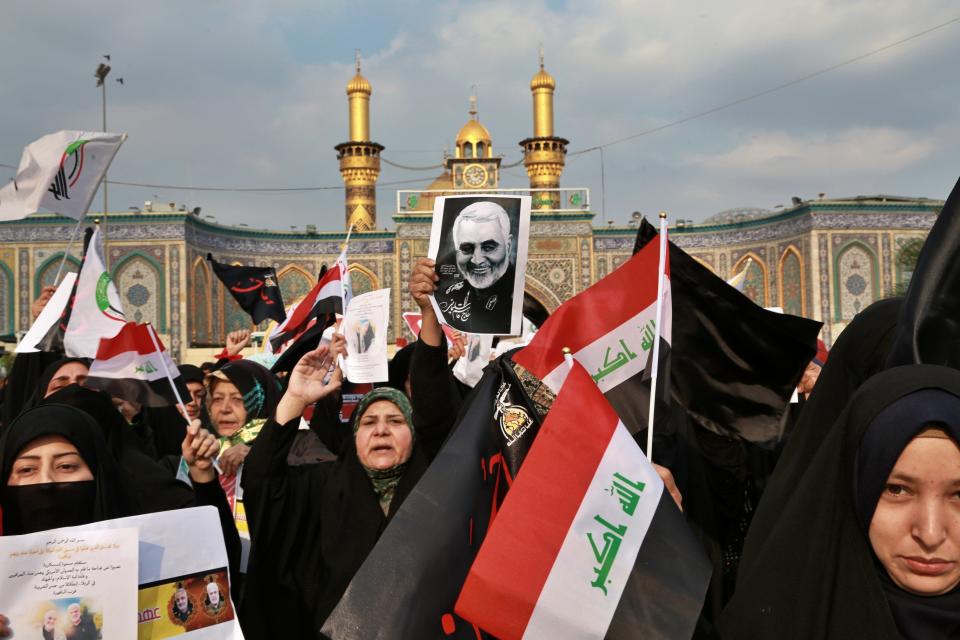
<point>542,80</point>
<point>473,132</point>
<point>443,181</point>
<point>359,84</point>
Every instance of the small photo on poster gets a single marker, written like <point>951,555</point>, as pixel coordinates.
<point>59,619</point>
<point>480,247</point>
<point>184,604</point>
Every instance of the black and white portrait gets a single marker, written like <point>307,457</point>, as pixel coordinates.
<point>480,247</point>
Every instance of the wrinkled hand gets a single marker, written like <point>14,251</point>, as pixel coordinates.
<point>237,341</point>
<point>423,283</point>
<point>45,294</point>
<point>307,385</point>
<point>307,377</point>
<point>199,447</point>
<point>670,484</point>
<point>232,459</point>
<point>5,630</point>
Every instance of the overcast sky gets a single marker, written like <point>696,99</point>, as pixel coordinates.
<point>251,94</point>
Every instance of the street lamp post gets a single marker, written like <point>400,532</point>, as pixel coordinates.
<point>103,70</point>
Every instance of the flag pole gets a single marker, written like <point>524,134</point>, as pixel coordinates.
<point>166,370</point>
<point>661,269</point>
<point>346,241</point>
<point>73,237</point>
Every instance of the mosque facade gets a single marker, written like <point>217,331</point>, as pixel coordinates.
<point>825,259</point>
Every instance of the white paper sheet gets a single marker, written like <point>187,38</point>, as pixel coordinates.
<point>181,548</point>
<point>365,328</point>
<point>469,368</point>
<point>51,313</point>
<point>70,581</point>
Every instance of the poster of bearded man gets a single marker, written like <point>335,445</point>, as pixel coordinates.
<point>480,246</point>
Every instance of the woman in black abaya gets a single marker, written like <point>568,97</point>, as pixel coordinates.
<point>869,544</point>
<point>313,526</point>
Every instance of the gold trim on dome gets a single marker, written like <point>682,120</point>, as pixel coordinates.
<point>473,132</point>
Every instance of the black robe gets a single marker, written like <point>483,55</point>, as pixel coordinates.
<point>312,527</point>
<point>815,576</point>
<point>859,352</point>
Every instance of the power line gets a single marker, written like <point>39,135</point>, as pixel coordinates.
<point>760,94</point>
<point>246,189</point>
<point>645,132</point>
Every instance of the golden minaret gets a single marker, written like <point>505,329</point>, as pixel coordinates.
<point>544,154</point>
<point>360,158</point>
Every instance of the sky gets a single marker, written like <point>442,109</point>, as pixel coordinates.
<point>252,94</point>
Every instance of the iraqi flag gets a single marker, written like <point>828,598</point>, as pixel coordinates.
<point>60,173</point>
<point>587,543</point>
<point>326,297</point>
<point>610,328</point>
<point>254,288</point>
<point>134,365</point>
<point>97,311</point>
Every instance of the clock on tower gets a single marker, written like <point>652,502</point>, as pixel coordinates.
<point>473,165</point>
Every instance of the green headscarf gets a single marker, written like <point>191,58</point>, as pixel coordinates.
<point>385,481</point>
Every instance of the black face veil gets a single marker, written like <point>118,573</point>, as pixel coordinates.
<point>43,506</point>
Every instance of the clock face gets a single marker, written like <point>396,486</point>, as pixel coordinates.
<point>475,175</point>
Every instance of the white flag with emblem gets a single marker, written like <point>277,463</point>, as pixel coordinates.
<point>59,173</point>
<point>97,310</point>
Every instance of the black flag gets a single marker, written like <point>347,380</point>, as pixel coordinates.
<point>927,329</point>
<point>733,364</point>
<point>254,288</point>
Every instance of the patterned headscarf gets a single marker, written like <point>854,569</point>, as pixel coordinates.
<point>385,481</point>
<point>261,394</point>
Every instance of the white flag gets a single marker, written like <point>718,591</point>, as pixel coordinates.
<point>59,173</point>
<point>97,310</point>
<point>51,314</point>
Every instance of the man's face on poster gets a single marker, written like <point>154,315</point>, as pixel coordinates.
<point>181,599</point>
<point>213,593</point>
<point>483,245</point>
<point>74,612</point>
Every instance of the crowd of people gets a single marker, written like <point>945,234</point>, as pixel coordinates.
<point>847,527</point>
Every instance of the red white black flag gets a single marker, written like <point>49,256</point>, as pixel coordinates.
<point>577,548</point>
<point>134,365</point>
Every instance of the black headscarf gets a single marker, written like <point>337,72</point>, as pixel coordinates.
<point>816,575</point>
<point>22,382</point>
<point>40,390</point>
<point>43,506</point>
<point>191,373</point>
<point>150,486</point>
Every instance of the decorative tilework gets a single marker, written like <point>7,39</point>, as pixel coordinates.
<point>176,335</point>
<point>47,272</point>
<point>823,249</point>
<point>6,299</point>
<point>23,273</point>
<point>200,329</point>
<point>791,283</point>
<point>294,283</point>
<point>140,285</point>
<point>856,280</point>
